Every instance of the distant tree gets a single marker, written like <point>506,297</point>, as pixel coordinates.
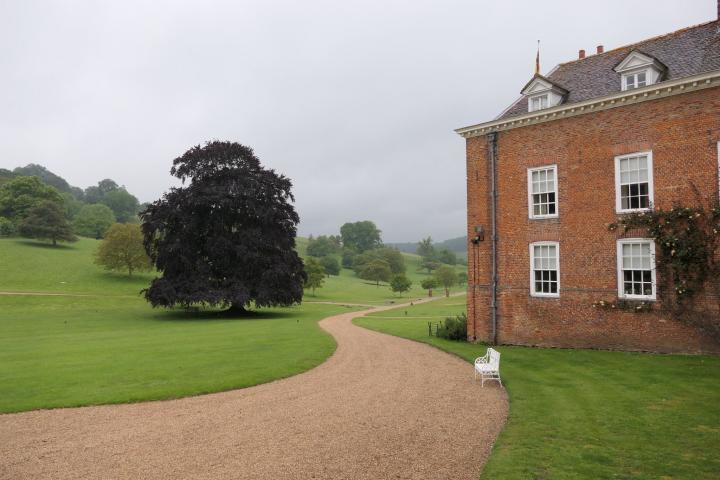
<point>348,258</point>
<point>228,238</point>
<point>72,205</point>
<point>429,265</point>
<point>45,175</point>
<point>7,228</point>
<point>376,271</point>
<point>106,186</point>
<point>124,205</point>
<point>462,278</point>
<point>425,248</point>
<point>322,246</point>
<point>394,258</point>
<point>331,265</point>
<point>391,256</point>
<point>5,176</point>
<point>446,277</point>
<point>315,274</point>
<point>46,221</point>
<point>92,195</point>
<point>96,194</point>
<point>360,236</point>
<point>400,283</point>
<point>447,257</point>
<point>122,249</point>
<point>21,194</point>
<point>429,284</point>
<point>77,193</point>
<point>94,220</point>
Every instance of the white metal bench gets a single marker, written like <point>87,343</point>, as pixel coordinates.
<point>488,367</point>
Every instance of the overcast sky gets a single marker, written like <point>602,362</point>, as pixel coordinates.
<point>356,101</point>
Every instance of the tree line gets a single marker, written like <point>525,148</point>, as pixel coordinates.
<point>359,247</point>
<point>36,203</point>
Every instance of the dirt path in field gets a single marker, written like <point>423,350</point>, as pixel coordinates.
<point>380,408</point>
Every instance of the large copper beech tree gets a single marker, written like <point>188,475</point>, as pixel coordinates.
<point>227,236</point>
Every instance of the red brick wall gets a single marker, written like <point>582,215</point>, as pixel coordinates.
<point>682,132</point>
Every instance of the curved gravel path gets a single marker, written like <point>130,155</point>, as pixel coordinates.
<point>380,408</point>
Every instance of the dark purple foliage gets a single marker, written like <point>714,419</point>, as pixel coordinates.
<point>226,238</point>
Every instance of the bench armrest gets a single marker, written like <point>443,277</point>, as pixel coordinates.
<point>483,359</point>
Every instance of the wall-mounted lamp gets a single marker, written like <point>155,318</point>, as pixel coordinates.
<point>479,234</point>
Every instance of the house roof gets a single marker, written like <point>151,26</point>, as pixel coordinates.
<point>537,76</point>
<point>687,52</point>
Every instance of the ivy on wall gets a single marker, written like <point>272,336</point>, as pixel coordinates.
<point>688,242</point>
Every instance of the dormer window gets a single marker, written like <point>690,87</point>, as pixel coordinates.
<point>634,80</point>
<point>638,70</point>
<point>542,93</point>
<point>538,102</point>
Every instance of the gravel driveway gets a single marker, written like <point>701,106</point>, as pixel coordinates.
<point>380,408</point>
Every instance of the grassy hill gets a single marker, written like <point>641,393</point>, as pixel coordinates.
<point>91,338</point>
<point>457,245</point>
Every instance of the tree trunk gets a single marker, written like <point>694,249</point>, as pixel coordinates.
<point>54,242</point>
<point>447,292</point>
<point>430,293</point>
<point>236,309</point>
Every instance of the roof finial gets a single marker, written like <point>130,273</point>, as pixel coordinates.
<point>537,60</point>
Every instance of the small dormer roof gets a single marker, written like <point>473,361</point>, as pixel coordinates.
<point>539,84</point>
<point>637,59</point>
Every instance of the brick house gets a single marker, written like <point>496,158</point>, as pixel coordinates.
<point>633,128</point>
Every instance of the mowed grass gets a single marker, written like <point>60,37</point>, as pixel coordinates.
<point>69,351</point>
<point>591,414</point>
<point>99,341</point>
<point>29,266</point>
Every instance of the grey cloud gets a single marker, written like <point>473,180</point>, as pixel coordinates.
<point>355,101</point>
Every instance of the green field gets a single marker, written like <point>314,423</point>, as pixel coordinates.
<point>590,414</point>
<point>97,341</point>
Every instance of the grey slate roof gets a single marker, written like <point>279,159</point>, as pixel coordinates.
<point>686,52</point>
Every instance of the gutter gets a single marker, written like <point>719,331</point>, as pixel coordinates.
<point>628,97</point>
<point>492,153</point>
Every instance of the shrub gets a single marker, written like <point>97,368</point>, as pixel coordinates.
<point>454,328</point>
<point>400,283</point>
<point>348,258</point>
<point>123,250</point>
<point>331,265</point>
<point>429,284</point>
<point>7,229</point>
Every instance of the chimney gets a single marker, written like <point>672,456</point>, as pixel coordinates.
<point>581,53</point>
<point>601,49</point>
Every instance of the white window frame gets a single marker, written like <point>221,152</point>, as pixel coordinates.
<point>651,186</point>
<point>531,213</point>
<point>620,276</point>
<point>634,75</point>
<point>533,293</point>
<point>539,96</point>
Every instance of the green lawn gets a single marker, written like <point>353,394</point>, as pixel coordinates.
<point>69,351</point>
<point>102,343</point>
<point>591,414</point>
<point>29,266</point>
